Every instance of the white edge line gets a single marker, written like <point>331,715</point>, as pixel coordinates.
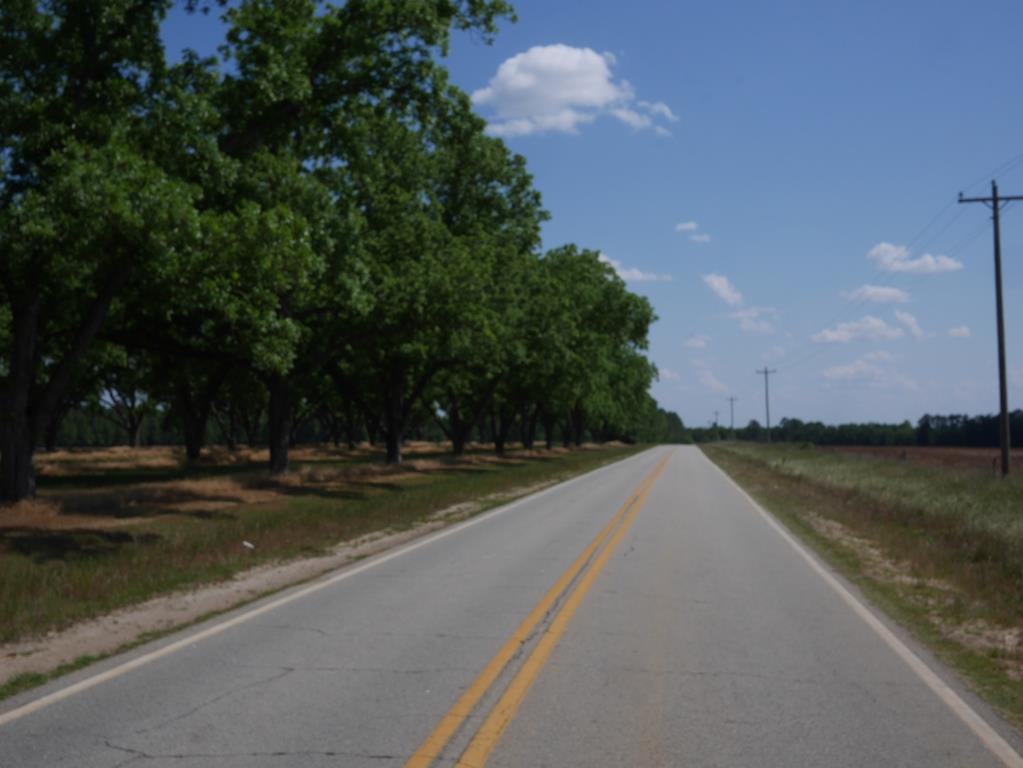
<point>988,735</point>
<point>347,573</point>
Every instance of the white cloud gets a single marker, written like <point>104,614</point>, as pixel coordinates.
<point>724,289</point>
<point>687,226</point>
<point>959,332</point>
<point>869,327</point>
<point>560,88</point>
<point>872,369</point>
<point>632,275</point>
<point>911,323</point>
<point>666,375</point>
<point>660,109</point>
<point>632,118</point>
<point>857,370</point>
<point>696,342</point>
<point>711,382</point>
<point>661,131</point>
<point>877,294</point>
<point>896,258</point>
<point>701,238</point>
<point>752,319</point>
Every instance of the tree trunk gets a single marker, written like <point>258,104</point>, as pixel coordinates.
<point>17,436</point>
<point>528,427</point>
<point>135,432</point>
<point>578,420</point>
<point>350,427</point>
<point>394,414</point>
<point>17,447</point>
<point>195,435</point>
<point>548,428</point>
<point>280,424</point>
<point>194,418</point>
<point>500,427</point>
<point>372,428</point>
<point>566,433</point>
<point>459,430</point>
<point>393,448</point>
<point>53,430</point>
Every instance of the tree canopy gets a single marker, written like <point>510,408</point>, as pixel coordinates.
<point>310,234</point>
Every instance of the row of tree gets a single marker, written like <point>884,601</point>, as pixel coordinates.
<point>312,227</point>
<point>930,430</point>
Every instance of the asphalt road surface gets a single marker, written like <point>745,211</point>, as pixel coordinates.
<point>647,614</point>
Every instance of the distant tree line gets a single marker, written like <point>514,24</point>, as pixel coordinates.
<point>930,430</point>
<point>308,235</point>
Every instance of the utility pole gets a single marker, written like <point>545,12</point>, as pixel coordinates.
<point>715,419</point>
<point>731,407</point>
<point>995,204</point>
<point>767,399</point>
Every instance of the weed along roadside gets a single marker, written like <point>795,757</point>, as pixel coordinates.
<point>95,565</point>
<point>937,547</point>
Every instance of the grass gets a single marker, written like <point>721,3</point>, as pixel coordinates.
<point>938,549</point>
<point>142,538</point>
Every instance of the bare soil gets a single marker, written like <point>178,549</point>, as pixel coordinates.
<point>943,457</point>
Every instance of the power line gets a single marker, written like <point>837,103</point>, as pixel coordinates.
<point>995,203</point>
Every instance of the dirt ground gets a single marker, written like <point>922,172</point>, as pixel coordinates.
<point>959,458</point>
<point>85,492</point>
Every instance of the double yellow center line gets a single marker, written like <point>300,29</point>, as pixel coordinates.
<point>486,738</point>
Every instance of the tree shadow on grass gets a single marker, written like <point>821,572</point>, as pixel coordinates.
<point>47,546</point>
<point>150,501</point>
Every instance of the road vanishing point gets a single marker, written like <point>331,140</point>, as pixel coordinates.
<point>645,614</point>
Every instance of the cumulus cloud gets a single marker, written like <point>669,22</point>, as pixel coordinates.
<point>560,88</point>
<point>911,324</point>
<point>703,237</point>
<point>687,226</point>
<point>696,342</point>
<point>874,370</point>
<point>959,332</point>
<point>896,258</point>
<point>753,319</point>
<point>877,294</point>
<point>724,289</point>
<point>632,275</point>
<point>869,328</point>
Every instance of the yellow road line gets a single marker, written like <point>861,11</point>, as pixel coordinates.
<point>483,743</point>
<point>431,748</point>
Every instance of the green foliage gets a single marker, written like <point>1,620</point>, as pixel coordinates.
<point>314,221</point>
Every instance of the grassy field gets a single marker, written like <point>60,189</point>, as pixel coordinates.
<point>115,528</point>
<point>937,544</point>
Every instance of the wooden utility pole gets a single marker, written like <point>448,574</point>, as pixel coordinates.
<point>995,203</point>
<point>767,399</point>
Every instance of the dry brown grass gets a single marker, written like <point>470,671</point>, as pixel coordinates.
<point>239,480</point>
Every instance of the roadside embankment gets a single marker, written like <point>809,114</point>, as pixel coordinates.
<point>939,548</point>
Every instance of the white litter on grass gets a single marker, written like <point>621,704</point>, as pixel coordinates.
<point>248,545</point>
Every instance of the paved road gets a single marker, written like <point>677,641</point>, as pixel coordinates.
<point>693,634</point>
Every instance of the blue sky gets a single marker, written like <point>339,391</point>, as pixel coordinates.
<point>816,150</point>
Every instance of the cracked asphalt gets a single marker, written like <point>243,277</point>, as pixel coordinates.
<point>706,641</point>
